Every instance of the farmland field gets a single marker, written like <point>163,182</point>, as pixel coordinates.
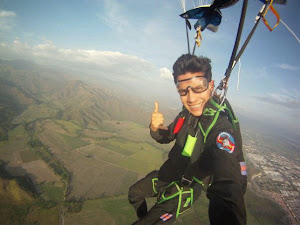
<point>102,169</point>
<point>100,166</point>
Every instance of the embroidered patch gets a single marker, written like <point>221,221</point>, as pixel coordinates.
<point>243,168</point>
<point>166,217</point>
<point>226,142</point>
<point>178,125</point>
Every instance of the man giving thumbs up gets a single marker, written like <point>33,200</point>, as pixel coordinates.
<point>207,143</point>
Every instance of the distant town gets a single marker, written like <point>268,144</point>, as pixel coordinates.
<point>277,177</point>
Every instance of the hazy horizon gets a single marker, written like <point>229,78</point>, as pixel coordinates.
<point>170,105</point>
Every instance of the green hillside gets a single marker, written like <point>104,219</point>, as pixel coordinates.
<point>69,152</point>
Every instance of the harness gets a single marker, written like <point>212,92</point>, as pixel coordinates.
<point>225,107</point>
<point>183,189</point>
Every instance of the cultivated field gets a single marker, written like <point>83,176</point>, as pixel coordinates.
<point>22,160</point>
<point>101,166</point>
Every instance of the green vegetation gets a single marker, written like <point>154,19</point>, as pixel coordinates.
<point>19,207</point>
<point>115,145</point>
<point>28,156</point>
<point>18,133</point>
<point>43,216</point>
<point>69,126</point>
<point>23,181</point>
<point>115,148</point>
<point>53,192</point>
<point>114,210</point>
<point>74,206</point>
<point>35,112</point>
<point>74,142</point>
<point>45,154</point>
<point>127,181</point>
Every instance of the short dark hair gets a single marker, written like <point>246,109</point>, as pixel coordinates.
<point>188,63</point>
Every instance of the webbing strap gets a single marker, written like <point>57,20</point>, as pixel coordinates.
<point>220,108</point>
<point>190,199</point>
<point>180,192</point>
<point>163,198</point>
<point>198,38</point>
<point>201,183</point>
<point>276,14</point>
<point>154,182</point>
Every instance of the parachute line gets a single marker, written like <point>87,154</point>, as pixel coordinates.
<point>194,4</point>
<point>187,37</point>
<point>290,30</point>
<point>257,19</point>
<point>182,4</point>
<point>237,41</point>
<point>238,82</point>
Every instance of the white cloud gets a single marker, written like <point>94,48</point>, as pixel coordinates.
<point>154,27</point>
<point>282,100</point>
<point>113,15</point>
<point>4,13</point>
<point>166,73</point>
<point>106,63</point>
<point>7,21</point>
<point>116,69</point>
<point>288,67</point>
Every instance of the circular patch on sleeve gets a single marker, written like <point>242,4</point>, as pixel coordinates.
<point>225,142</point>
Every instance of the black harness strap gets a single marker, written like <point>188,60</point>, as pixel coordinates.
<point>187,179</point>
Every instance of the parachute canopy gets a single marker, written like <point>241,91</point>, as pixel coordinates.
<point>207,17</point>
<point>220,4</point>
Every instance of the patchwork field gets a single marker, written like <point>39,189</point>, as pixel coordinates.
<point>100,166</point>
<point>22,160</point>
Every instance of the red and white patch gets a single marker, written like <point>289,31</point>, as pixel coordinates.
<point>243,168</point>
<point>166,217</point>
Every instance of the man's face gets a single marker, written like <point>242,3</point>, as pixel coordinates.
<point>194,91</point>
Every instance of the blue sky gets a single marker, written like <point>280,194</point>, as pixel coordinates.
<point>142,39</point>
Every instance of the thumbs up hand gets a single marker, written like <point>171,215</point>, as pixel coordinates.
<point>157,119</point>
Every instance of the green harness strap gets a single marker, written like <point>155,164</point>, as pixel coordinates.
<point>154,182</point>
<point>216,113</point>
<point>180,192</point>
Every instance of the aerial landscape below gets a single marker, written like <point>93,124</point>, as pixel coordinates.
<point>70,150</point>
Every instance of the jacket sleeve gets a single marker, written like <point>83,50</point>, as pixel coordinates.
<point>229,175</point>
<point>165,136</point>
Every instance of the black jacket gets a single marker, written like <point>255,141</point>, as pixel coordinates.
<point>222,155</point>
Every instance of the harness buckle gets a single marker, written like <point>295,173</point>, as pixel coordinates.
<point>185,181</point>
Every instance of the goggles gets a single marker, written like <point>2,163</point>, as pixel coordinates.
<point>198,84</point>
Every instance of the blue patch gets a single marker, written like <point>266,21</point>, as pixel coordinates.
<point>225,142</point>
